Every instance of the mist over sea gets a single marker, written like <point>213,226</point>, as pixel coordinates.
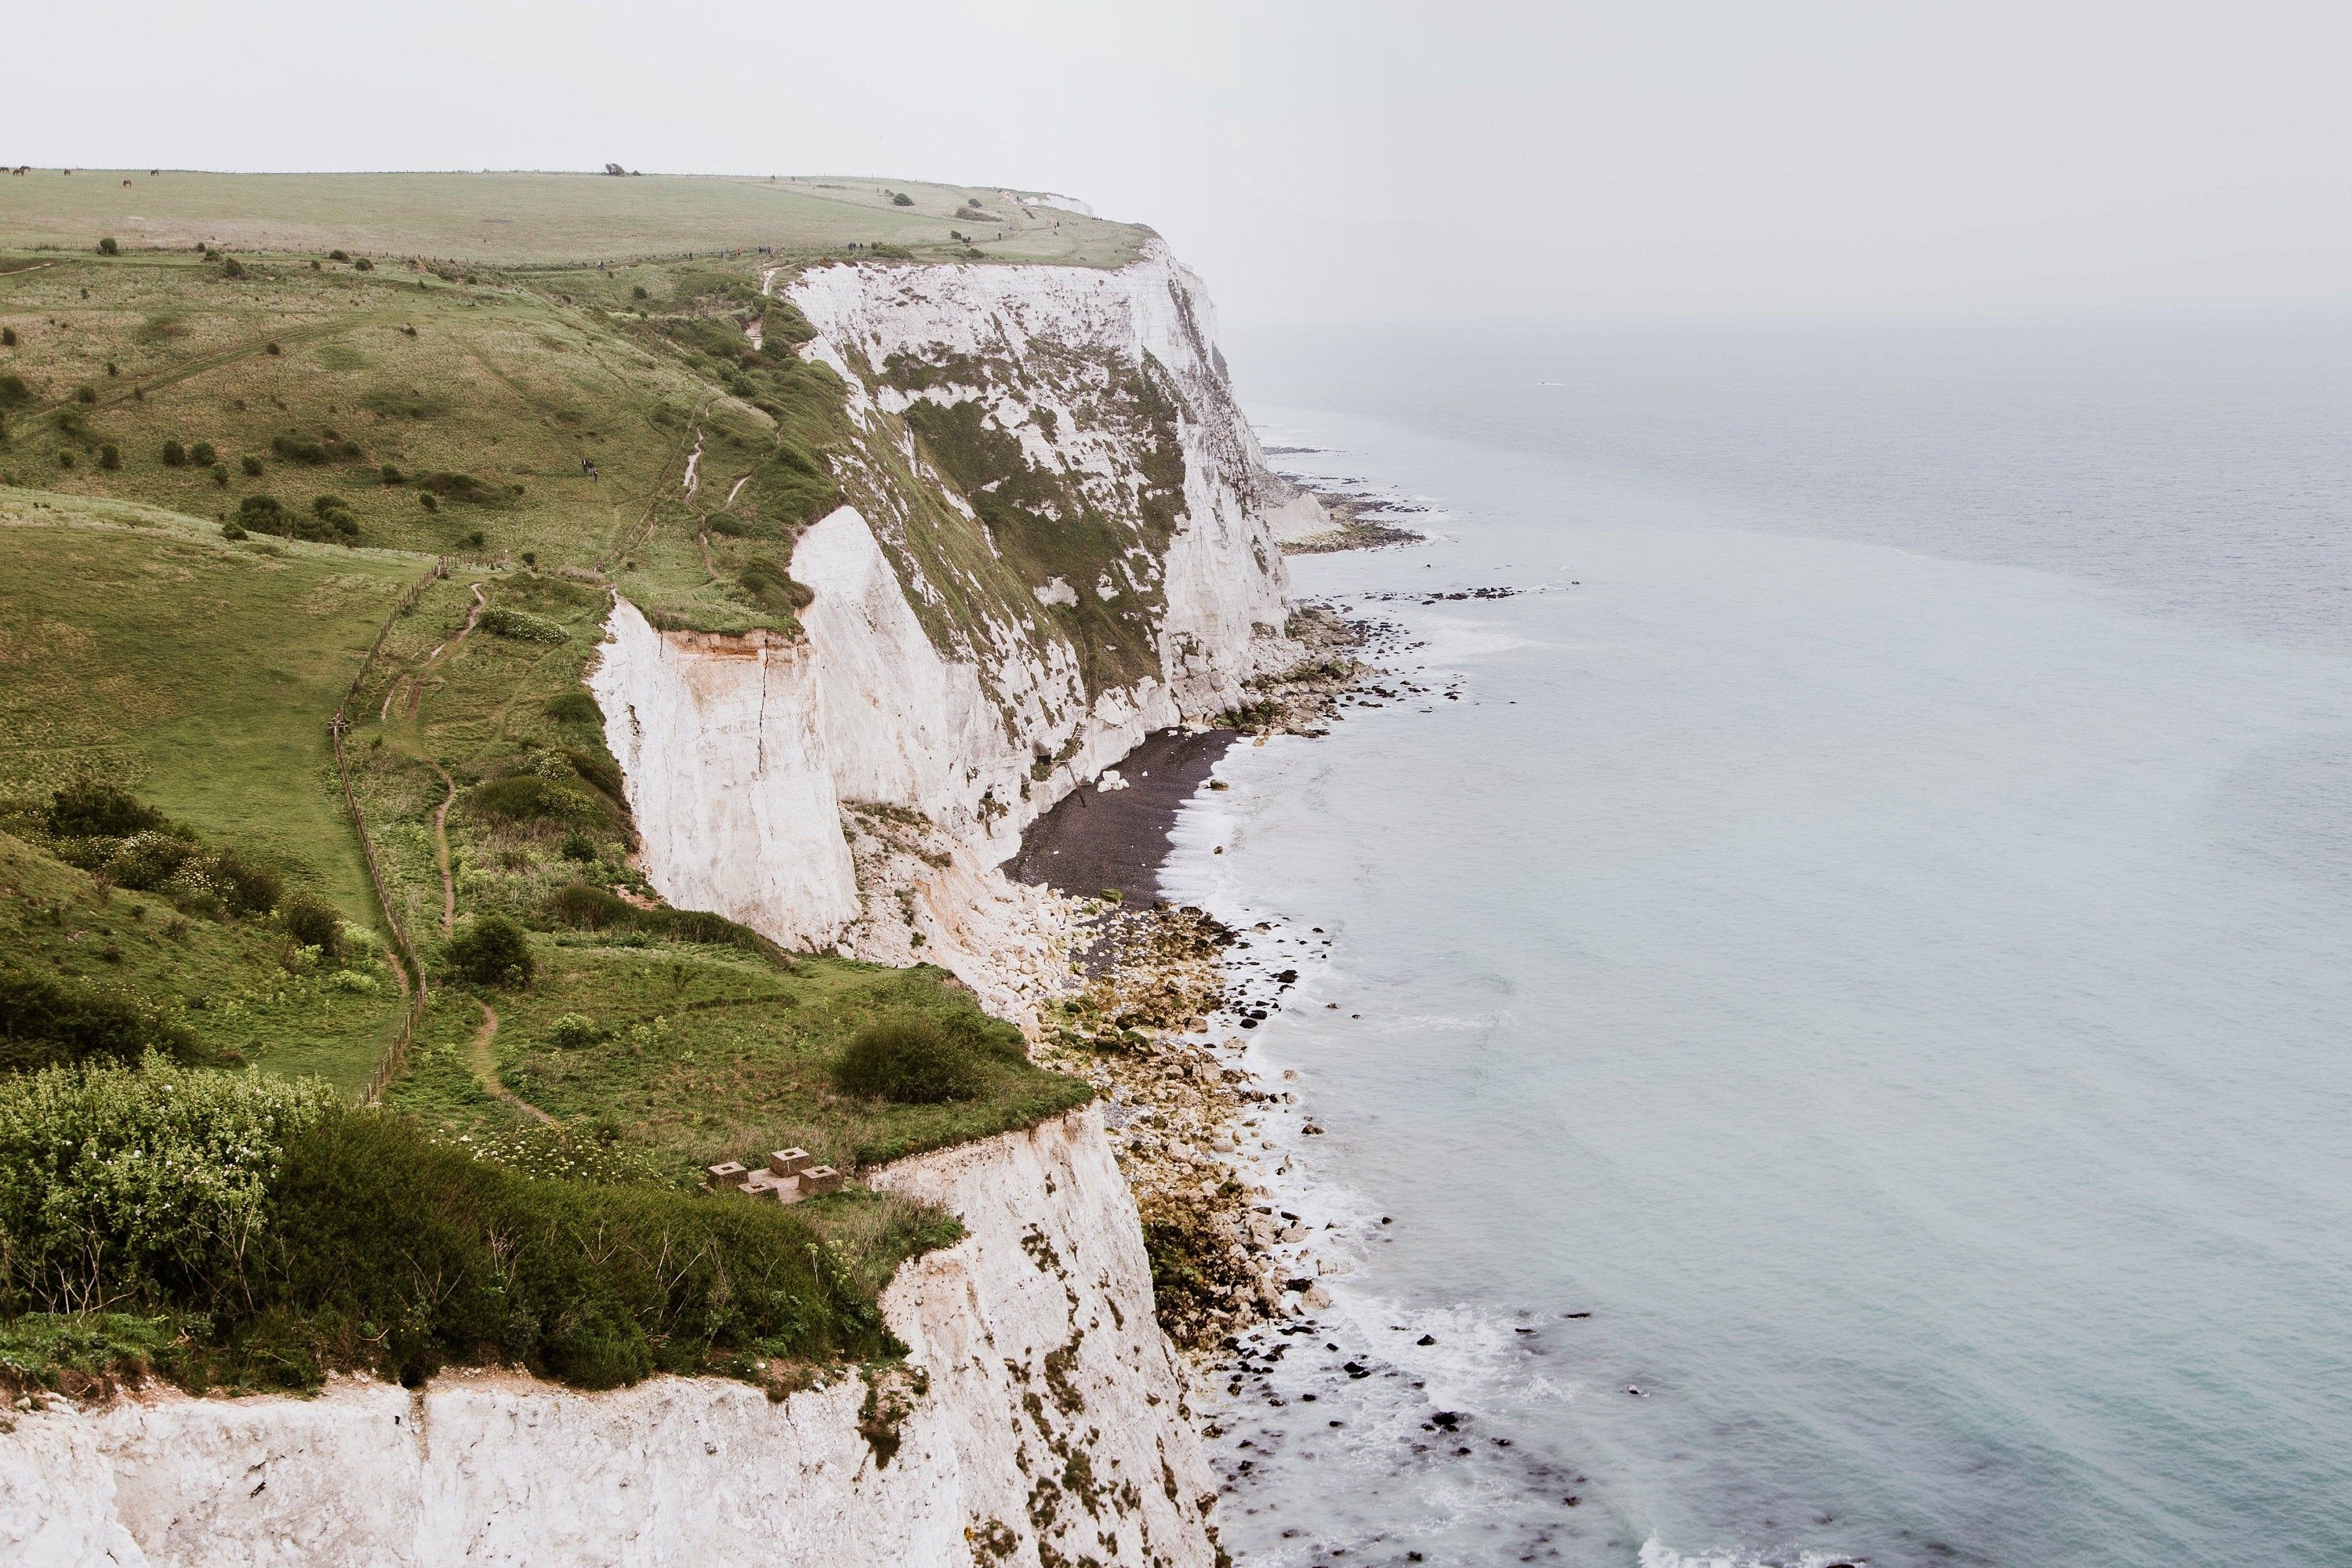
<point>1875,931</point>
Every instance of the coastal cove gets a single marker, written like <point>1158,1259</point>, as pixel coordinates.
<point>1834,1045</point>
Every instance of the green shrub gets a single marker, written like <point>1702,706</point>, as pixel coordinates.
<point>426,500</point>
<point>521,626</point>
<point>8,339</point>
<point>109,456</point>
<point>45,1022</point>
<point>521,798</point>
<point>246,888</point>
<point>466,487</point>
<point>335,513</point>
<point>85,393</point>
<point>145,1187</point>
<point>579,847</point>
<point>337,256</point>
<point>96,810</point>
<point>491,951</point>
<point>910,1060</point>
<point>772,588</point>
<point>251,465</point>
<point>364,264</point>
<point>596,1286</point>
<point>107,246</point>
<point>174,455</point>
<point>145,861</point>
<point>572,1032</point>
<point>902,199</point>
<point>585,908</point>
<point>232,529</point>
<point>232,268</point>
<point>264,514</point>
<point>637,291</point>
<point>575,707</point>
<point>203,455</point>
<point>313,922</point>
<point>390,475</point>
<point>294,449</point>
<point>220,474</point>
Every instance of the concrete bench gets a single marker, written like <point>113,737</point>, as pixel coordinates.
<point>790,1161</point>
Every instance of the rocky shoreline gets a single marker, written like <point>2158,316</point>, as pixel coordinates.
<point>1158,1018</point>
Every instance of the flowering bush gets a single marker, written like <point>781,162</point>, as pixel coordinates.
<point>123,1185</point>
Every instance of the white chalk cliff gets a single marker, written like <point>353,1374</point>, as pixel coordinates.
<point>966,663</point>
<point>935,676</point>
<point>1050,1431</point>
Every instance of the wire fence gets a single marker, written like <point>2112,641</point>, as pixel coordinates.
<point>411,967</point>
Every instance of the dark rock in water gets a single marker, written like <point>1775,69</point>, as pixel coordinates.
<point>1449,1419</point>
<point>1299,1285</point>
<point>1426,1340</point>
<point>1357,1369</point>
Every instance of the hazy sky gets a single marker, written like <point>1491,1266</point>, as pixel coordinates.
<point>1351,158</point>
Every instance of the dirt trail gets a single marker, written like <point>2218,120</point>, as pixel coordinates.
<point>449,645</point>
<point>441,849</point>
<point>693,462</point>
<point>485,1063</point>
<point>738,490</point>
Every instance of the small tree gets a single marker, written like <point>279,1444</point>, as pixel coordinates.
<point>7,337</point>
<point>910,1060</point>
<point>99,810</point>
<point>108,247</point>
<point>363,264</point>
<point>109,456</point>
<point>174,455</point>
<point>902,200</point>
<point>203,455</point>
<point>232,268</point>
<point>492,950</point>
<point>313,922</point>
<point>251,465</point>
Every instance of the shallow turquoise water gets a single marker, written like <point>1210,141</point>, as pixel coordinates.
<point>1873,931</point>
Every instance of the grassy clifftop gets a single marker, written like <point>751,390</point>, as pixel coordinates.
<point>508,219</point>
<point>226,475</point>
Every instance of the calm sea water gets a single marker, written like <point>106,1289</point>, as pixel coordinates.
<point>1874,930</point>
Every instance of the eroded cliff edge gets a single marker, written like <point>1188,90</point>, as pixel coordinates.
<point>1051,1430</point>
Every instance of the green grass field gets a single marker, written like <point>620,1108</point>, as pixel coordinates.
<point>508,219</point>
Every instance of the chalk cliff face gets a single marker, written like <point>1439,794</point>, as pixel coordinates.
<point>1060,536</point>
<point>1048,1432</point>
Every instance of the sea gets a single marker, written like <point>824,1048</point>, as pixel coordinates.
<point>1822,1027</point>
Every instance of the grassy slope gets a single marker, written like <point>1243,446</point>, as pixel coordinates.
<point>509,378</point>
<point>230,982</point>
<point>509,218</point>
<point>142,649</point>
